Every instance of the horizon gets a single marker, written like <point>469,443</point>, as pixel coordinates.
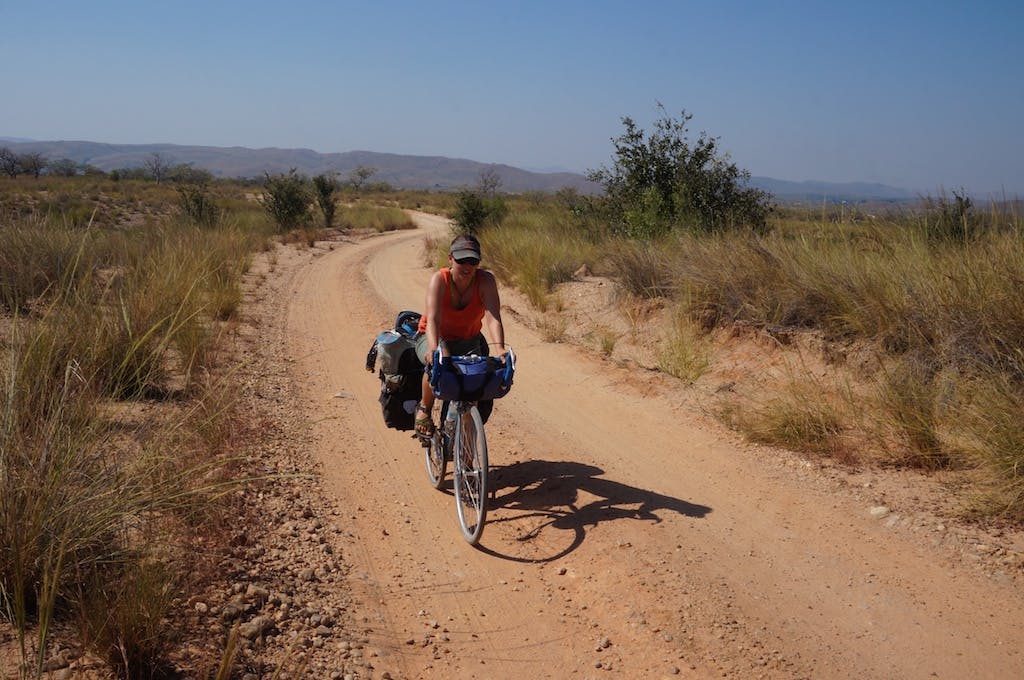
<point>870,94</point>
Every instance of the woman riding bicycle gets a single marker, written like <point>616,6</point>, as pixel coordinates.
<point>460,297</point>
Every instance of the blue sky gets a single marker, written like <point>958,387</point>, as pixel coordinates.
<point>919,95</point>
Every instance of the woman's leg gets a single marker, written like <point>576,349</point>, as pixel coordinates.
<point>424,418</point>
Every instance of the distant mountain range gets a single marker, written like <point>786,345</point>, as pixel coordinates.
<point>402,171</point>
<point>833,192</point>
<point>405,172</point>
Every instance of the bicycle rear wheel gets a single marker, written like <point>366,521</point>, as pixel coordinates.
<point>470,471</point>
<point>434,453</point>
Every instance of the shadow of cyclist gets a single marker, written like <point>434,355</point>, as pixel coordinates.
<point>540,494</point>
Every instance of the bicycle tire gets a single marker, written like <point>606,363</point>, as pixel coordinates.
<point>436,463</point>
<point>434,453</point>
<point>469,467</point>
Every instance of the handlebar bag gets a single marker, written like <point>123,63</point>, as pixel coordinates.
<point>471,378</point>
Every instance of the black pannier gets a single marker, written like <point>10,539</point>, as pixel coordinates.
<point>401,374</point>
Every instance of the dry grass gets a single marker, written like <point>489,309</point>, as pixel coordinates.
<point>365,217</point>
<point>685,353</point>
<point>553,328</point>
<point>605,338</point>
<point>934,291</point>
<point>534,255</point>
<point>800,419</point>
<point>88,504</point>
<point>993,436</point>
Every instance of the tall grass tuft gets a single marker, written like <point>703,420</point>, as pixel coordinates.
<point>36,255</point>
<point>799,419</point>
<point>81,511</point>
<point>911,395</point>
<point>64,500</point>
<point>993,432</point>
<point>535,255</point>
<point>642,267</point>
<point>684,352</point>
<point>123,618</point>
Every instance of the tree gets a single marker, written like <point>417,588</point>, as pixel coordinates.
<point>664,180</point>
<point>128,173</point>
<point>359,176</point>
<point>158,166</point>
<point>286,199</point>
<point>9,164</point>
<point>62,167</point>
<point>475,211</point>
<point>490,181</point>
<point>185,173</point>
<point>470,212</point>
<point>32,163</point>
<point>325,186</point>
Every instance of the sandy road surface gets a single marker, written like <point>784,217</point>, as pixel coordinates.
<point>626,537</point>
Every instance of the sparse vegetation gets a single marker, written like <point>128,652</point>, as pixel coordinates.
<point>931,292</point>
<point>99,318</point>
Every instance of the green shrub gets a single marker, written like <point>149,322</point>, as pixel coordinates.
<point>286,198</point>
<point>663,181</point>
<point>198,205</point>
<point>325,186</point>
<point>950,221</point>
<point>475,211</point>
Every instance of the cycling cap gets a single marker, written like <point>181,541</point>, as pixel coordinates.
<point>465,246</point>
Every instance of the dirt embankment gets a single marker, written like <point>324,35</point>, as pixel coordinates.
<point>628,534</point>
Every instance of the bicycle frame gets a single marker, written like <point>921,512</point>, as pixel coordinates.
<point>466,446</point>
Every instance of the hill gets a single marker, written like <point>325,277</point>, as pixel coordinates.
<point>404,171</point>
<point>831,192</point>
<point>401,171</point>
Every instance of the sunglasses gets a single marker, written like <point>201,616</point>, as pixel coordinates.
<point>471,261</point>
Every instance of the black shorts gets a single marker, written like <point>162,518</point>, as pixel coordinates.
<point>475,345</point>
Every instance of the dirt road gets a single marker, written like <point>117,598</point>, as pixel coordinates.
<point>628,536</point>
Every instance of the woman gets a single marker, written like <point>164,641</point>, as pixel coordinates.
<point>460,298</point>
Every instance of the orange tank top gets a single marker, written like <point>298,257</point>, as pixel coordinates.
<point>458,324</point>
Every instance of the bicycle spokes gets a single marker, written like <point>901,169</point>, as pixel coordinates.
<point>471,474</point>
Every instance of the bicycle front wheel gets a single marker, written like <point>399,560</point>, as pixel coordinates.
<point>470,472</point>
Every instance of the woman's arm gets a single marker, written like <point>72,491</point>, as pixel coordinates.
<point>435,289</point>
